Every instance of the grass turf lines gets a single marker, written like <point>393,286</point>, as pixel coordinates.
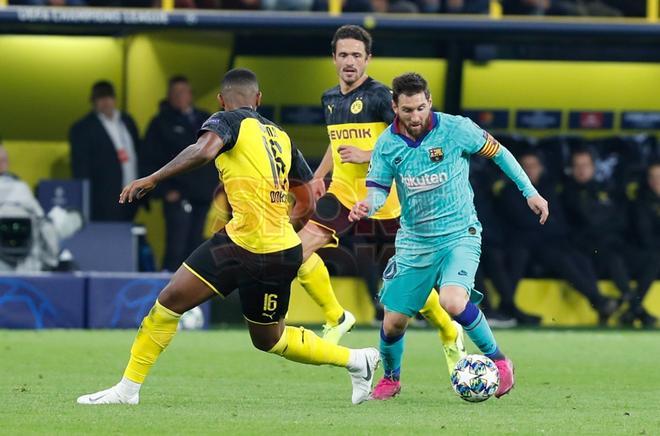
<point>568,382</point>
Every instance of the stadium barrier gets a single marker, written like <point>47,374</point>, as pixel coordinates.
<point>80,300</point>
<point>121,300</point>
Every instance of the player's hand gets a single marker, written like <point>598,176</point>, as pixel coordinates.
<point>351,154</point>
<point>317,186</point>
<point>360,210</point>
<point>539,206</point>
<point>137,189</point>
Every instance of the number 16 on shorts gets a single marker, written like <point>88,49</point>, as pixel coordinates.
<point>270,302</point>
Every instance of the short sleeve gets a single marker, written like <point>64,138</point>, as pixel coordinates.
<point>380,173</point>
<point>300,172</point>
<point>218,124</point>
<point>385,106</point>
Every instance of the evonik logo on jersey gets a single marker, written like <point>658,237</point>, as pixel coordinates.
<point>424,182</point>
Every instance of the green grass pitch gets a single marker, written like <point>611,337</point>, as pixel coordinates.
<point>568,382</point>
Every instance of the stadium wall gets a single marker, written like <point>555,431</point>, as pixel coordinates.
<point>121,300</point>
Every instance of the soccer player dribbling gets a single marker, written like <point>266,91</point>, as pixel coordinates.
<point>258,252</point>
<point>427,155</point>
<point>357,110</point>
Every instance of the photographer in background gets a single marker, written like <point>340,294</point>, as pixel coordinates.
<point>29,240</point>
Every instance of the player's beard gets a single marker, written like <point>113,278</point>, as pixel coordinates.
<point>417,131</point>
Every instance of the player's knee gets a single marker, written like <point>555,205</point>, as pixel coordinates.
<point>170,297</point>
<point>313,237</point>
<point>265,339</point>
<point>394,326</point>
<point>453,299</point>
<point>264,344</point>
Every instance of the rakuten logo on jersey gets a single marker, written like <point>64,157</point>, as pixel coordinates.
<point>424,182</point>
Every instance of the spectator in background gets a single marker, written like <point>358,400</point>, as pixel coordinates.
<point>493,263</point>
<point>597,217</point>
<point>646,255</point>
<point>560,7</point>
<point>186,198</point>
<point>48,2</point>
<point>547,245</point>
<point>462,6</point>
<point>105,150</point>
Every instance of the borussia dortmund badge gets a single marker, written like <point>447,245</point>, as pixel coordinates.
<point>356,107</point>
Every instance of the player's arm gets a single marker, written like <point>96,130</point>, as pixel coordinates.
<point>379,181</point>
<point>492,149</point>
<point>194,156</point>
<point>376,197</point>
<point>317,183</point>
<point>301,183</point>
<point>352,154</point>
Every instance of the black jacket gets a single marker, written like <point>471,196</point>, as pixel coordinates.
<point>168,134</point>
<point>94,157</point>
<point>596,214</point>
<point>646,216</point>
<point>524,227</point>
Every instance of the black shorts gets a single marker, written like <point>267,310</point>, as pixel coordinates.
<point>263,280</point>
<point>333,215</point>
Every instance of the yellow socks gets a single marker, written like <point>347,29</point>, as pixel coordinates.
<point>155,333</point>
<point>439,319</point>
<point>300,345</point>
<point>314,277</point>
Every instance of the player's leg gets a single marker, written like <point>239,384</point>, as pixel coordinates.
<point>450,332</point>
<point>265,302</point>
<point>405,290</point>
<point>184,291</point>
<point>458,268</point>
<point>313,274</point>
<point>391,352</point>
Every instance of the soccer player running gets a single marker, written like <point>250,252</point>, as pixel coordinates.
<point>427,154</point>
<point>356,112</point>
<point>258,252</point>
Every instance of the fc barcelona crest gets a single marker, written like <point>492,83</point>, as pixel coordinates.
<point>436,154</point>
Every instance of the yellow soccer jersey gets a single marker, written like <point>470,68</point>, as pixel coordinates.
<point>357,119</point>
<point>255,165</point>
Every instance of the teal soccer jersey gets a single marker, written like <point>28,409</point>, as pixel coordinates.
<point>432,179</point>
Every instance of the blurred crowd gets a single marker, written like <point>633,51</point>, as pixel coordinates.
<point>604,198</point>
<point>607,8</point>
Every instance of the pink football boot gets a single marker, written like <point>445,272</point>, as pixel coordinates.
<point>386,389</point>
<point>505,368</point>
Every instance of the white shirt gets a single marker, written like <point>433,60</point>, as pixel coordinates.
<point>123,142</point>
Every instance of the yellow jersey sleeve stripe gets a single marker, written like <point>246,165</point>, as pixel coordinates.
<point>335,238</point>
<point>206,282</point>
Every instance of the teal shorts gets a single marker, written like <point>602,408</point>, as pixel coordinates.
<point>408,280</point>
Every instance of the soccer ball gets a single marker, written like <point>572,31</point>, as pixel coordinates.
<point>475,378</point>
<point>192,319</point>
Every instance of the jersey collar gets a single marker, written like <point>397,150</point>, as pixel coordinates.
<point>434,120</point>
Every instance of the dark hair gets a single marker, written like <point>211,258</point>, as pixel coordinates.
<point>239,77</point>
<point>582,150</point>
<point>654,163</point>
<point>102,88</point>
<point>350,31</point>
<point>409,84</point>
<point>179,78</point>
<point>530,152</point>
